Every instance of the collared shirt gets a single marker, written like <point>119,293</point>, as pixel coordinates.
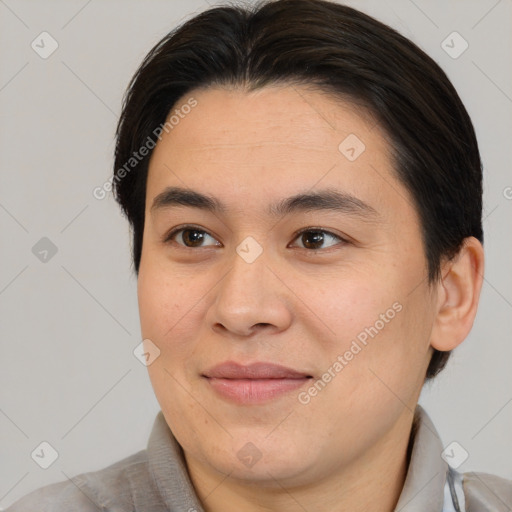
<point>157,480</point>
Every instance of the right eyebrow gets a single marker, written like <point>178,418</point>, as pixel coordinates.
<point>177,196</point>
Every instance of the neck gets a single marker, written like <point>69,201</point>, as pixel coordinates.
<point>374,482</point>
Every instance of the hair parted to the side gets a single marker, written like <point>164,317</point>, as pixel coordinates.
<point>345,53</point>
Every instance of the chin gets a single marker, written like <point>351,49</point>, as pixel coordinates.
<point>270,466</point>
<point>270,475</point>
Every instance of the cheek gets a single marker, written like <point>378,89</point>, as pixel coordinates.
<point>381,333</point>
<point>168,311</point>
<point>153,293</point>
<point>165,305</point>
<point>348,306</point>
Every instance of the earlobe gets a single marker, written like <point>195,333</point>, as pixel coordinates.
<point>458,296</point>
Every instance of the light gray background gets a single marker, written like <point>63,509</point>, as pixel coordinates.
<point>69,326</point>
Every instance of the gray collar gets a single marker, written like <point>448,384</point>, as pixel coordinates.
<point>423,490</point>
<point>168,468</point>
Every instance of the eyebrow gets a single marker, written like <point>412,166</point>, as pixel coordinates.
<point>326,199</point>
<point>177,196</point>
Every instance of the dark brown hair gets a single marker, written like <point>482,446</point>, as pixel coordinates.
<point>343,52</point>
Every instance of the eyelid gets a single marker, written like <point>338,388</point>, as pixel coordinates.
<point>321,230</point>
<point>169,235</point>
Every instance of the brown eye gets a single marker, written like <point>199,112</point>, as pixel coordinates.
<point>191,237</point>
<point>312,239</point>
<point>315,239</point>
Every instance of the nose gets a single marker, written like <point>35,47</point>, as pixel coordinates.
<point>250,299</point>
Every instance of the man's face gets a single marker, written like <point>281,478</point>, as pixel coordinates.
<point>346,304</point>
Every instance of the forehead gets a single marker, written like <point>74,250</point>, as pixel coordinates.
<point>274,115</point>
<point>274,142</point>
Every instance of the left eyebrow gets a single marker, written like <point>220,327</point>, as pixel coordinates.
<point>326,199</point>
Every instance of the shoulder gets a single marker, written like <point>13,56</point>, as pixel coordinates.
<point>110,488</point>
<point>483,491</point>
<point>56,498</point>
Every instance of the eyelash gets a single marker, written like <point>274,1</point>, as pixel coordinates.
<point>168,238</point>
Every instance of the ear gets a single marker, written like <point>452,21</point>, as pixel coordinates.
<point>458,292</point>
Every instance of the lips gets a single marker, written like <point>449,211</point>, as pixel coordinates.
<point>255,383</point>
<point>232,370</point>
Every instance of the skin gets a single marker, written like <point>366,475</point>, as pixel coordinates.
<point>294,305</point>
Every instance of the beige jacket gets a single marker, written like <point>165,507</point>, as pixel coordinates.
<point>156,480</point>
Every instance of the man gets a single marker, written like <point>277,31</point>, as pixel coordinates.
<point>304,188</point>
